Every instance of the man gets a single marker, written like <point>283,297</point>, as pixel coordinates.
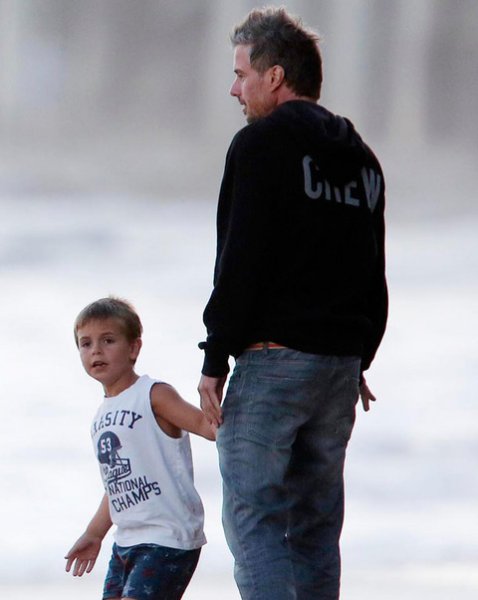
<point>300,300</point>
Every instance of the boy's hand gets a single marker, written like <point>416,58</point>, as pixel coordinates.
<point>85,552</point>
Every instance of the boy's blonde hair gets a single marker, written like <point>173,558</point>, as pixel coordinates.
<point>111,308</point>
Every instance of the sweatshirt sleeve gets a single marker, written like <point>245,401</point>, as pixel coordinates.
<point>378,297</point>
<point>245,206</point>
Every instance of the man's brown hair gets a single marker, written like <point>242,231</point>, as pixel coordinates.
<point>277,38</point>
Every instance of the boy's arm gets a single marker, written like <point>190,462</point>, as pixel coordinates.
<point>87,547</point>
<point>169,407</point>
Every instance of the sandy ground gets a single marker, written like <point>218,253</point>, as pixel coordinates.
<point>412,484</point>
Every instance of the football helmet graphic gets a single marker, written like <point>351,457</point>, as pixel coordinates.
<point>114,467</point>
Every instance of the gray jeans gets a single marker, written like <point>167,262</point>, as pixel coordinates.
<point>288,417</point>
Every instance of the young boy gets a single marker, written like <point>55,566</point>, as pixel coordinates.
<point>140,440</point>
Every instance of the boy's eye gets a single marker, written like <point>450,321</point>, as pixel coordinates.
<point>84,344</point>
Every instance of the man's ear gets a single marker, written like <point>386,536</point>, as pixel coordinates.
<point>276,77</point>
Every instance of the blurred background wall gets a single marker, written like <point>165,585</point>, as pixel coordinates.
<point>133,95</point>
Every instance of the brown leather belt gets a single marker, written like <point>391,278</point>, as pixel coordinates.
<point>264,345</point>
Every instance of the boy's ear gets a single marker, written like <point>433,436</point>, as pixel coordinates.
<point>135,347</point>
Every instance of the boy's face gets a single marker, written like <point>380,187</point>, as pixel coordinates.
<point>107,355</point>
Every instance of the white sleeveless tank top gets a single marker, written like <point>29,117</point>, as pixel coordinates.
<point>147,474</point>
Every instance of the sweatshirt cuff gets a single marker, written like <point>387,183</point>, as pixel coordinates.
<point>215,362</point>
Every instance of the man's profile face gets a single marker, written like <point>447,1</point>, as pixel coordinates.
<point>251,87</point>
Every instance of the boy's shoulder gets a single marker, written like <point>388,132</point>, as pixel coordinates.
<point>161,389</point>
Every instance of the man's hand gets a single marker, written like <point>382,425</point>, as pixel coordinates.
<point>366,395</point>
<point>210,390</point>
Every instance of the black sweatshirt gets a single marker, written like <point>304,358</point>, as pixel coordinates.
<point>300,240</point>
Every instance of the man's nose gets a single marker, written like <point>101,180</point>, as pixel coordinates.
<point>234,91</point>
